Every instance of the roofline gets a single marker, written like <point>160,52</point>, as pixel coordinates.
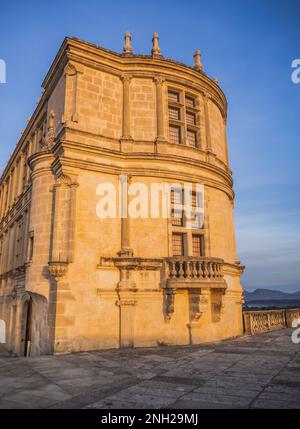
<point>120,57</point>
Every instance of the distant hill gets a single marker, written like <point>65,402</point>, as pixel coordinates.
<point>269,294</point>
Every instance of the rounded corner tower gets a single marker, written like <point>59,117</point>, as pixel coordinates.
<point>72,280</point>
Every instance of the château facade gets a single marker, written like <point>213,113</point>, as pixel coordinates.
<point>72,281</point>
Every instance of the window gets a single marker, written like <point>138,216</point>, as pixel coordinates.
<point>177,213</point>
<point>192,138</point>
<point>30,246</point>
<point>173,96</point>
<point>6,193</point>
<point>18,251</point>
<point>17,177</point>
<point>176,196</point>
<point>178,244</point>
<point>187,221</point>
<point>175,134</point>
<point>190,118</point>
<point>25,155</point>
<point>174,113</point>
<point>197,219</point>
<point>184,125</point>
<point>19,244</point>
<point>194,200</point>
<point>177,217</point>
<point>197,241</point>
<point>190,102</point>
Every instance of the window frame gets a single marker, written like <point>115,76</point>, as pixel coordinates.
<point>183,243</point>
<point>184,110</point>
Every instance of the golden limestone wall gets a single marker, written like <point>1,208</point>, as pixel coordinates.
<point>71,281</point>
<point>142,109</point>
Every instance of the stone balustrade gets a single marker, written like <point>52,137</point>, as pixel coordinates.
<point>291,314</point>
<point>256,321</point>
<point>181,268</point>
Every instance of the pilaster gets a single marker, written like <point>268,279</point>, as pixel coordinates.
<point>159,83</point>
<point>126,139</point>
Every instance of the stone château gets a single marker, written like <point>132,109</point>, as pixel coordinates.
<point>70,281</point>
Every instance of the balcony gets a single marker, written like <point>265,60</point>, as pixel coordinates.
<point>194,272</point>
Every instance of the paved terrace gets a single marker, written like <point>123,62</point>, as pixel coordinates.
<point>250,372</point>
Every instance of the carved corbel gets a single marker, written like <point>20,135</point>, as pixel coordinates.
<point>198,304</point>
<point>169,304</point>
<point>58,269</point>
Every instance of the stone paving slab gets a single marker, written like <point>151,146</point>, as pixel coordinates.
<point>261,371</point>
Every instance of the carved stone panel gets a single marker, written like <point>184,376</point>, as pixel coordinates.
<point>216,304</point>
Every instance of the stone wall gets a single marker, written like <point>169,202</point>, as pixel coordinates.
<point>93,283</point>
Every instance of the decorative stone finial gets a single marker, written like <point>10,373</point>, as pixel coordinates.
<point>127,48</point>
<point>197,60</point>
<point>216,80</point>
<point>155,48</point>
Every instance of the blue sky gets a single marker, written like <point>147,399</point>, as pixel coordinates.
<point>249,46</point>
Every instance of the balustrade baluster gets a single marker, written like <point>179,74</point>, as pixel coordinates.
<point>181,269</point>
<point>212,270</point>
<point>201,271</point>
<point>205,270</point>
<point>188,270</point>
<point>209,269</point>
<point>171,269</point>
<point>220,270</point>
<point>192,267</point>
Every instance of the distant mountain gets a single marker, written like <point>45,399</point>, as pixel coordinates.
<point>269,294</point>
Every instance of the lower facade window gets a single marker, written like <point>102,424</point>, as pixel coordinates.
<point>177,217</point>
<point>197,241</point>
<point>175,134</point>
<point>178,244</point>
<point>191,138</point>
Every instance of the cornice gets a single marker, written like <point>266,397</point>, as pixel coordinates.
<point>100,137</point>
<point>39,156</point>
<point>79,164</point>
<point>131,156</point>
<point>233,269</point>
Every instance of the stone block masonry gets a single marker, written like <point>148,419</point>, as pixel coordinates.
<point>70,281</point>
